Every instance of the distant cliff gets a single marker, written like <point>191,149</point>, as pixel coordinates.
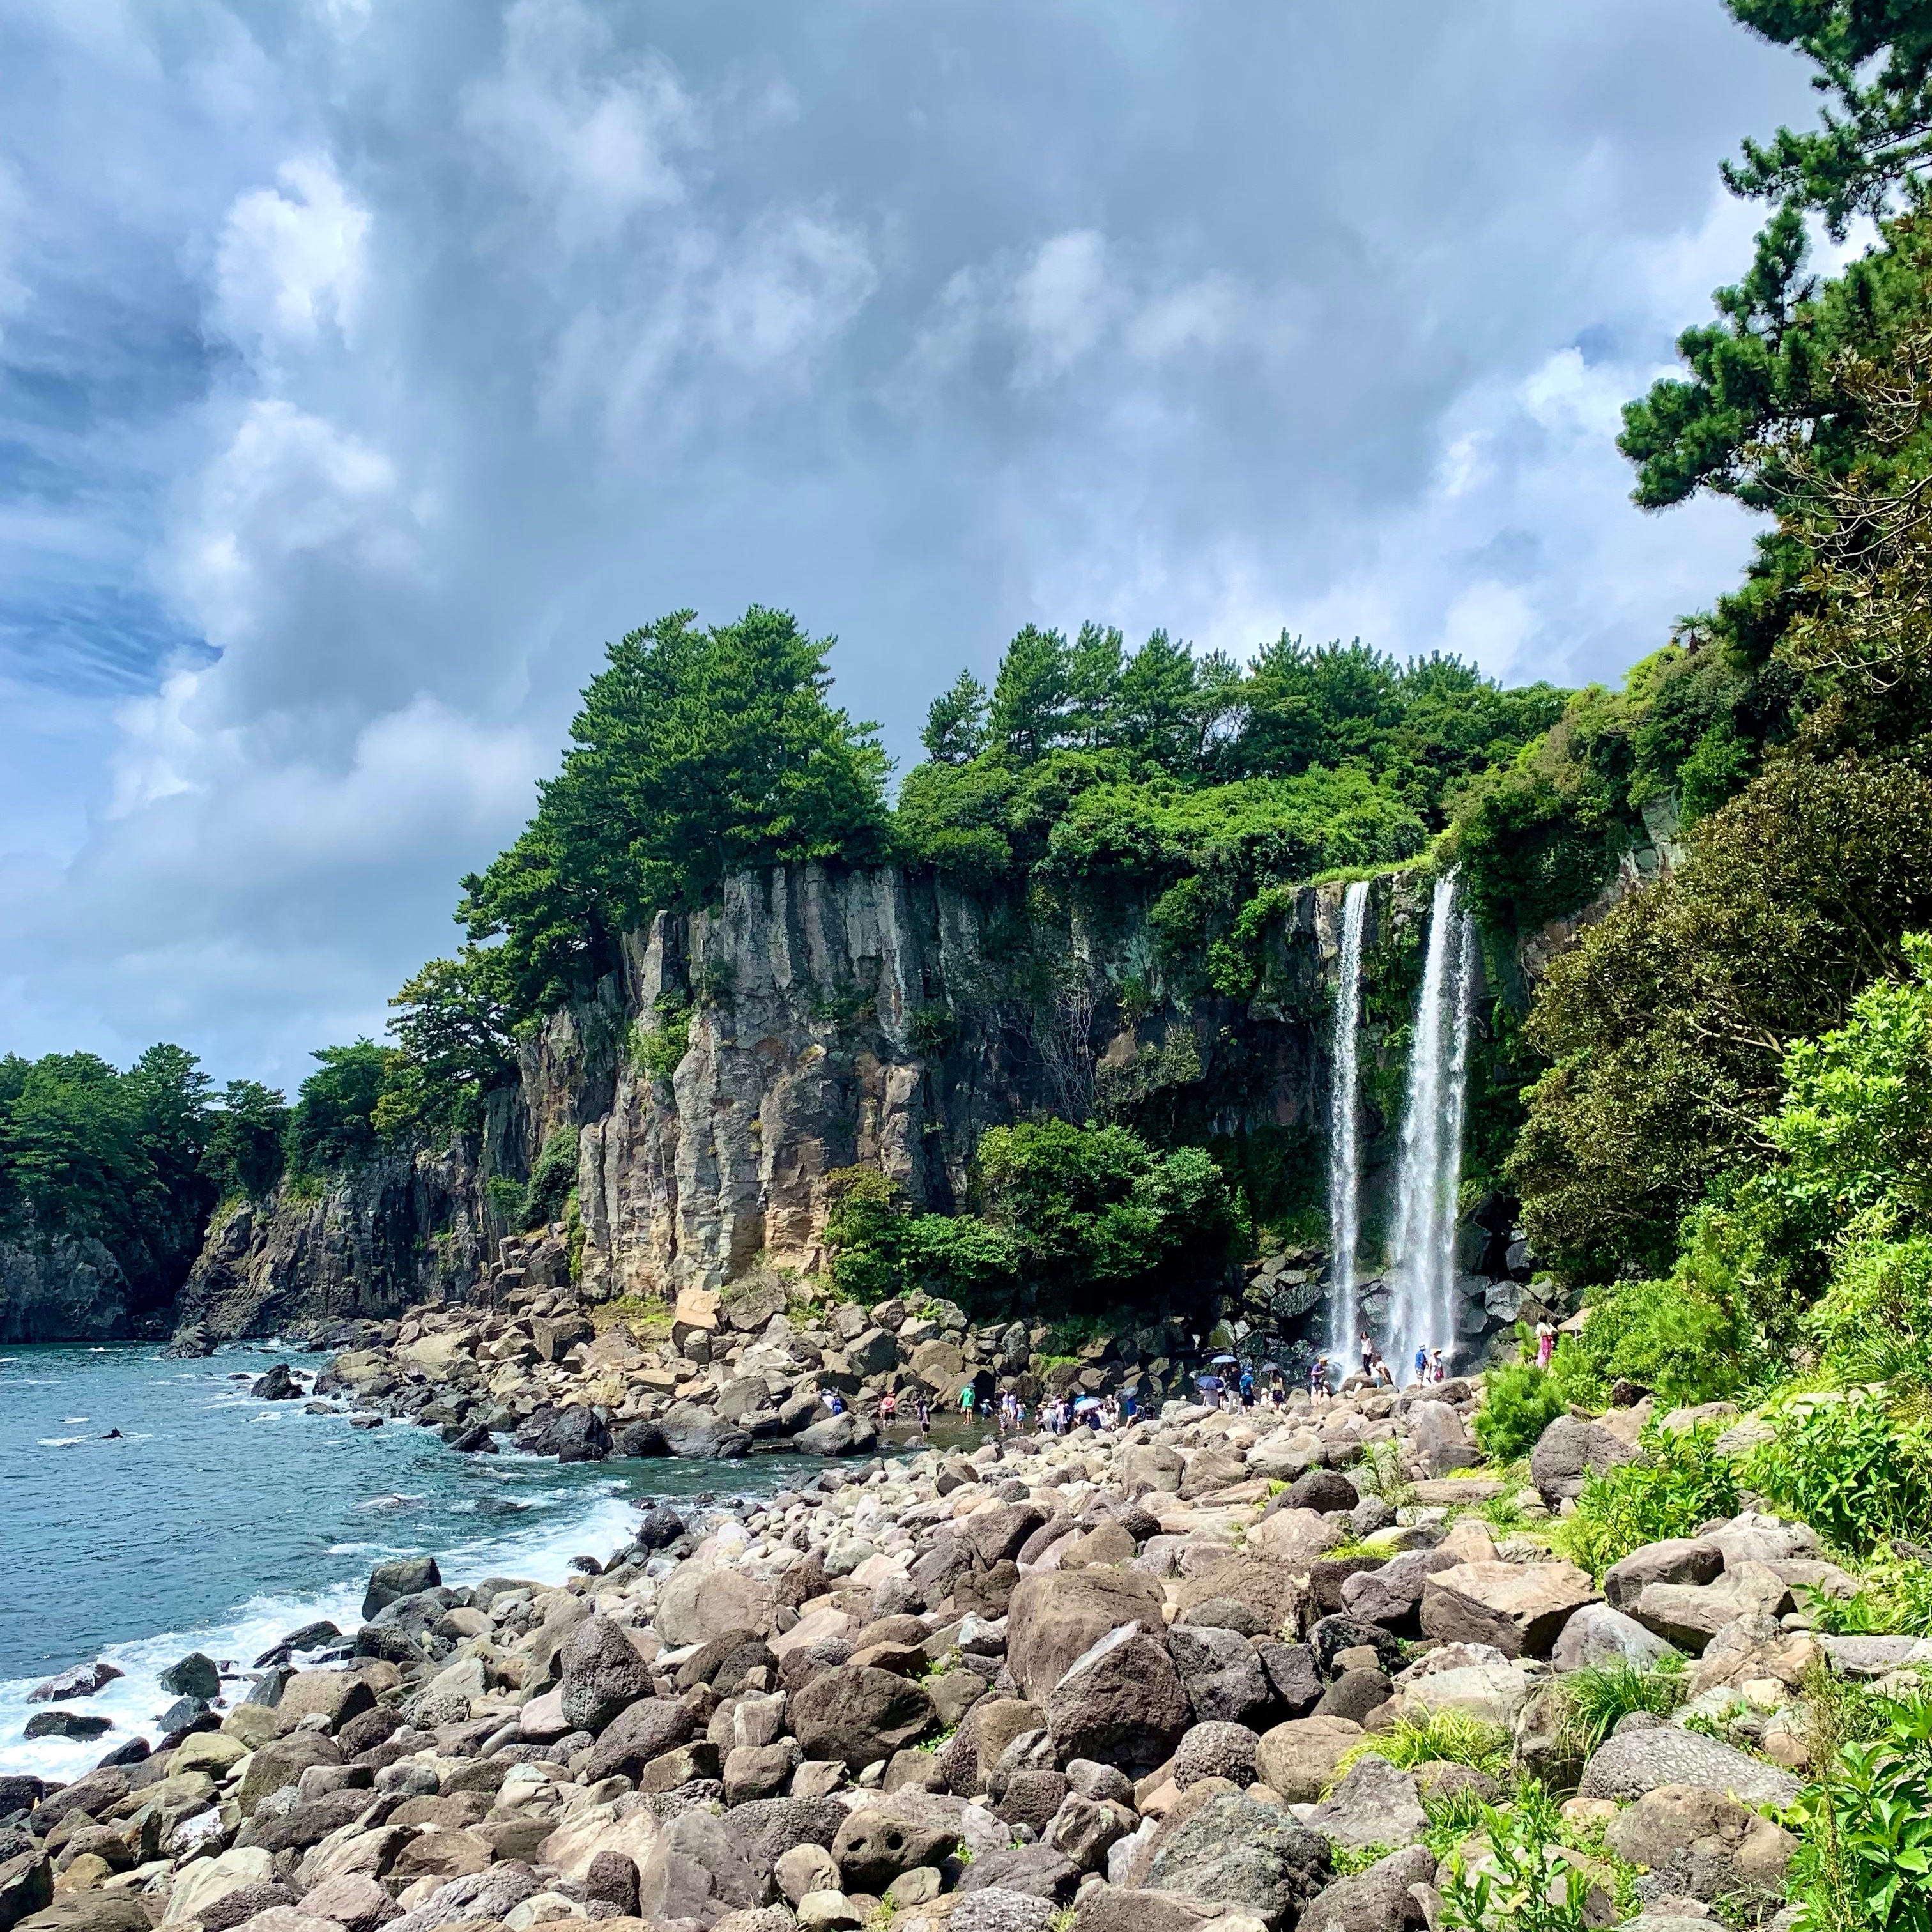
<point>820,1018</point>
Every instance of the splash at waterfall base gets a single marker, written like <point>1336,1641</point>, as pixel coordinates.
<point>1285,1311</point>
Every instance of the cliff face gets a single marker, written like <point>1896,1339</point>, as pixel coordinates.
<point>402,1229</point>
<point>61,1289</point>
<point>868,1017</point>
<point>831,1018</point>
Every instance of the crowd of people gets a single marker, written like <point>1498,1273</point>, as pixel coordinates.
<point>1059,1415</point>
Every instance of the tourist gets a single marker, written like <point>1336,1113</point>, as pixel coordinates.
<point>1247,1387</point>
<point>888,1406</point>
<point>1421,1362</point>
<point>1317,1378</point>
<point>967,1397</point>
<point>1545,1342</point>
<point>925,1417</point>
<point>1438,1369</point>
<point>1368,1354</point>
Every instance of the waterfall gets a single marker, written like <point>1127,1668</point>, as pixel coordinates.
<point>1345,1139</point>
<point>1423,1257</point>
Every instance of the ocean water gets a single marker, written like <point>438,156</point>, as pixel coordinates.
<point>216,1523</point>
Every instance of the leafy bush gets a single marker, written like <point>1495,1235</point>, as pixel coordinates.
<point>1532,1887</point>
<point>333,1124</point>
<point>552,1177</point>
<point>1678,1482</point>
<point>1873,1323</point>
<point>1894,1598</point>
<point>1080,1214</point>
<point>1848,1466</point>
<point>1866,1858</point>
<point>1597,1697</point>
<point>1520,1402</point>
<point>508,1199</point>
<point>659,1050</point>
<point>1448,1737</point>
<point>1689,1338</point>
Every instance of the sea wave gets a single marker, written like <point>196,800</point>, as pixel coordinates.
<point>540,1552</point>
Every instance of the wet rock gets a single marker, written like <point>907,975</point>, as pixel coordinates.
<point>79,1680</point>
<point>195,1675</point>
<point>278,1385</point>
<point>407,1576</point>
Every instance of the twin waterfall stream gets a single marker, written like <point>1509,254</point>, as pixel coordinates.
<point>1422,1248</point>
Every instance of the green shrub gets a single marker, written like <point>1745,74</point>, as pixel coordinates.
<point>1874,1321</point>
<point>1850,1467</point>
<point>1687,1338</point>
<point>1595,1698</point>
<point>1520,1402</point>
<point>1866,1856</point>
<point>1528,1866</point>
<point>1894,1599</point>
<point>508,1199</point>
<point>552,1178</point>
<point>1678,1482</point>
<point>658,1052</point>
<point>1446,1737</point>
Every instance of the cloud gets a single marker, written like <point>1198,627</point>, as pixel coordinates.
<point>589,134</point>
<point>365,369</point>
<point>291,261</point>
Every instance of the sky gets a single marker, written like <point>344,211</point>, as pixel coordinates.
<point>367,365</point>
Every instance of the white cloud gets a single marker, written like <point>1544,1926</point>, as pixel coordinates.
<point>591,135</point>
<point>287,484</point>
<point>1063,302</point>
<point>292,261</point>
<point>1200,315</point>
<point>793,284</point>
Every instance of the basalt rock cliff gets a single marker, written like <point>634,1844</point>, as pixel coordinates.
<point>832,1017</point>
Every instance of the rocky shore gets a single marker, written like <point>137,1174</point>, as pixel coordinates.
<point>1136,1679</point>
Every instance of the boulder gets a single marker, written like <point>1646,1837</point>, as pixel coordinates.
<point>1122,1702</point>
<point>1324,1491</point>
<point>603,1674</point>
<point>642,1734</point>
<point>697,1604</point>
<point>483,1897</point>
<point>1293,1537</point>
<point>1567,1449</point>
<point>1493,1693</point>
<point>406,1576</point>
<point>1224,1678</point>
<point>1679,1559</point>
<point>1438,1439</point>
<point>1702,1844</point>
<point>698,1869</point>
<point>1298,1759</point>
<point>859,1716</point>
<point>1384,1898</point>
<point>1151,1466</point>
<point>1056,1617</point>
<point>997,1909</point>
<point>26,1885</point>
<point>1521,1609</point>
<point>1392,1595</point>
<point>340,1696</point>
<point>1597,1636</point>
<point>1374,1804</point>
<point>1632,1762</point>
<point>1238,1852</point>
<point>879,1841</point>
<point>199,1886</point>
<point>997,1534</point>
<point>278,1765</point>
<point>195,1675</point>
<point>353,1899</point>
<point>1689,1615</point>
<point>842,1434</point>
<point>1214,1750</point>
